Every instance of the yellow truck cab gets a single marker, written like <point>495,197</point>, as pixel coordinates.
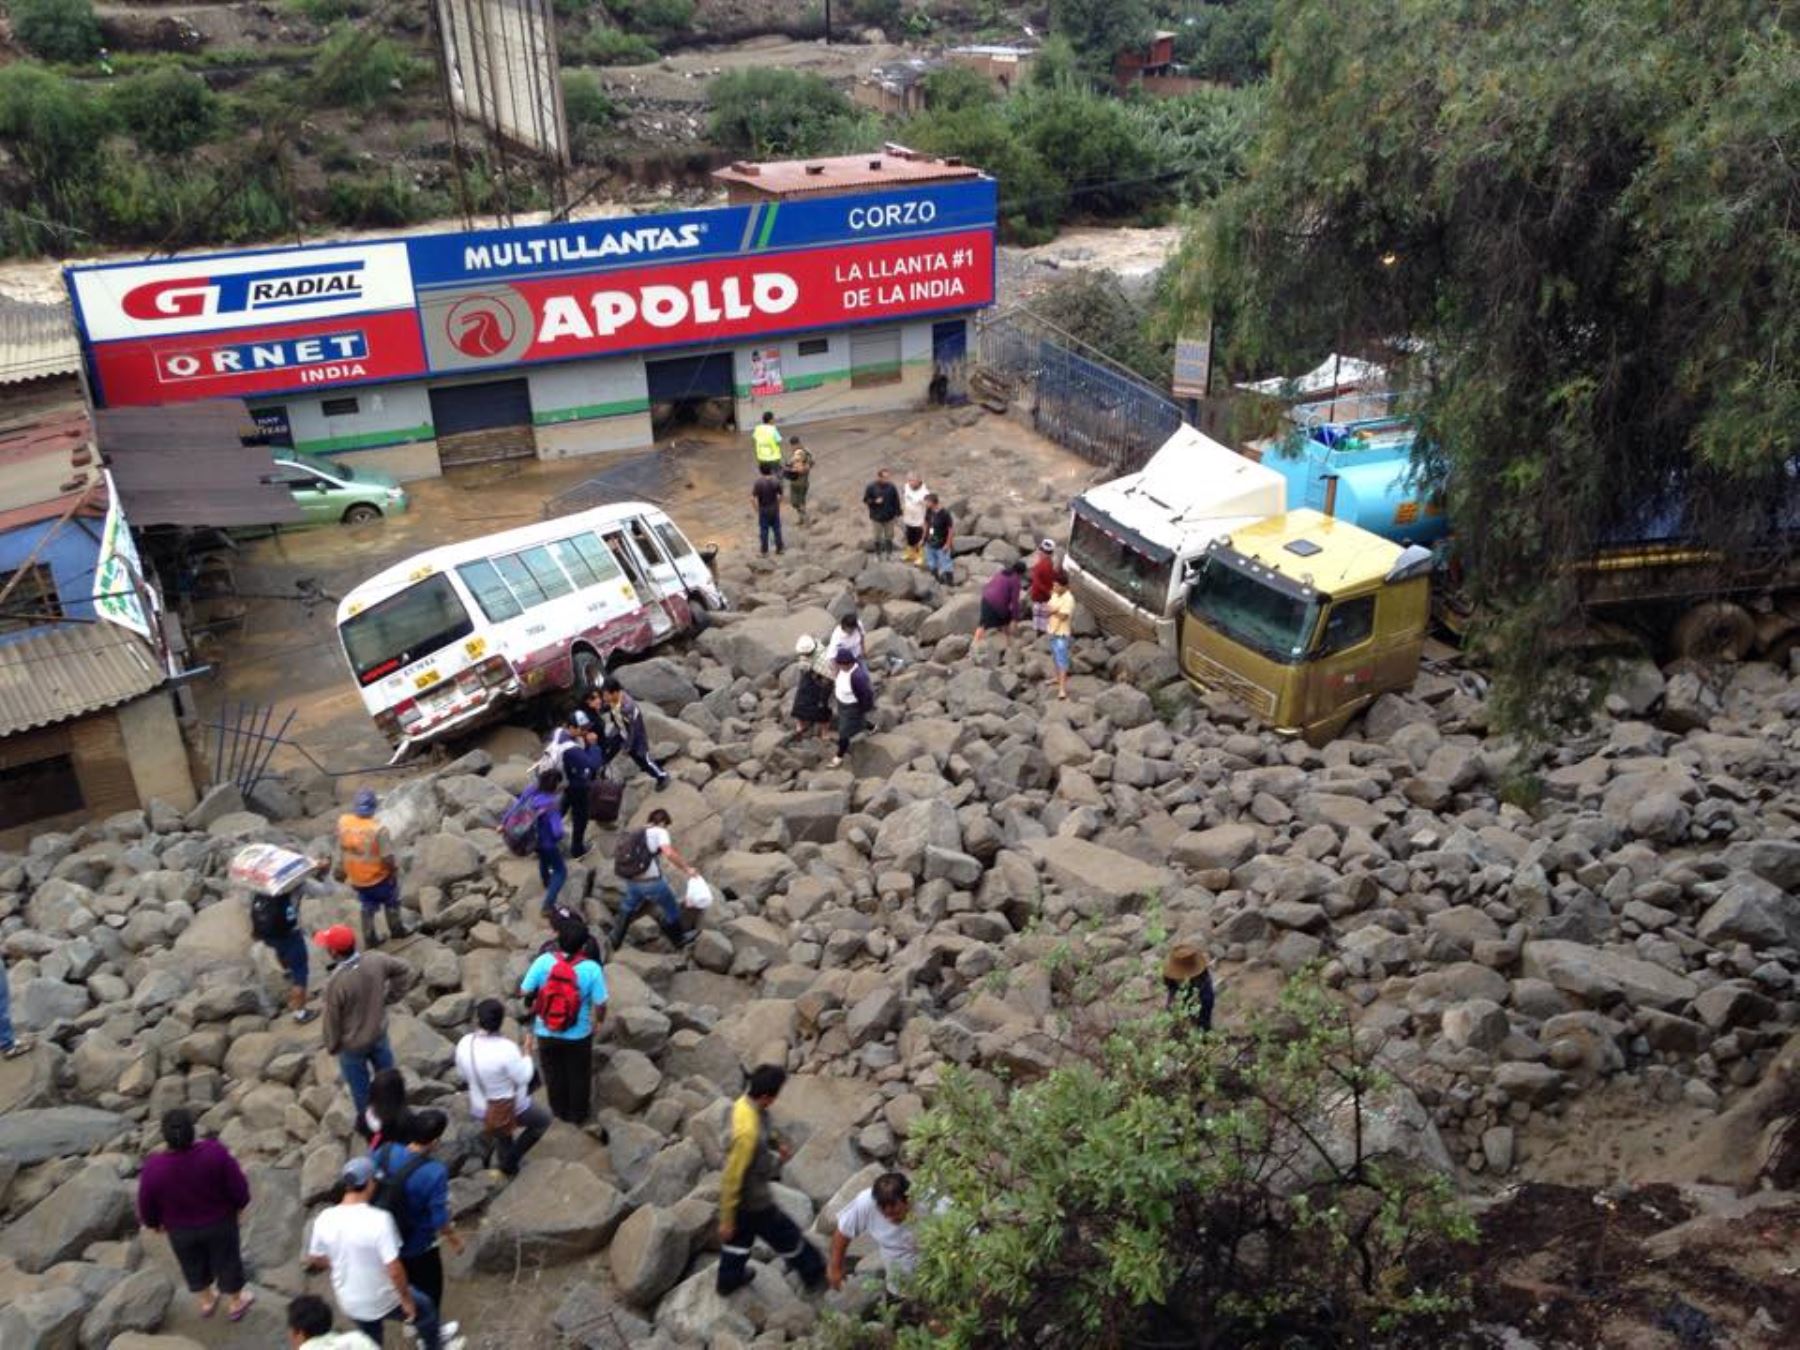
<point>1305,619</point>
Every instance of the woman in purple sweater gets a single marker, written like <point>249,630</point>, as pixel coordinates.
<point>196,1191</point>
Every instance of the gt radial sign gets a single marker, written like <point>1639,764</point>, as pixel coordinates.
<point>290,320</point>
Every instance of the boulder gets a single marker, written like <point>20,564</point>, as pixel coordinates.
<point>139,1302</point>
<point>873,1016</point>
<point>1754,911</point>
<point>694,1313</point>
<point>1599,976</point>
<point>628,1081</point>
<point>762,643</point>
<point>903,836</point>
<point>647,1256</point>
<point>552,1212</point>
<point>1223,847</point>
<point>35,1136</point>
<point>92,1206</point>
<point>1476,1025</point>
<point>1124,706</point>
<point>1104,874</point>
<point>440,859</point>
<point>957,615</point>
<point>1774,860</point>
<point>661,681</point>
<point>43,1319</point>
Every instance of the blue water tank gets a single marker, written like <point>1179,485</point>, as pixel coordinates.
<point>1376,488</point>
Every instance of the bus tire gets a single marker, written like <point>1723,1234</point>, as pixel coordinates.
<point>589,670</point>
<point>1715,630</point>
<point>699,616</point>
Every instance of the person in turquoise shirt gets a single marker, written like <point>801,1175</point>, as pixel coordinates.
<point>568,1003</point>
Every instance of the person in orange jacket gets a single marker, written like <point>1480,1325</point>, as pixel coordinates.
<point>365,859</point>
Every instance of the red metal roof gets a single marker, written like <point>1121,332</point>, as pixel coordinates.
<point>889,165</point>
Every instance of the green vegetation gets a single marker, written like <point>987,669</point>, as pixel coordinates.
<point>652,16</point>
<point>954,88</point>
<point>882,14</point>
<point>1098,30</point>
<point>1582,217</point>
<point>57,30</point>
<point>167,110</point>
<point>585,101</point>
<point>1228,42</point>
<point>772,113</point>
<point>1092,308</point>
<point>357,70</point>
<point>1163,1183</point>
<point>328,11</point>
<point>604,47</point>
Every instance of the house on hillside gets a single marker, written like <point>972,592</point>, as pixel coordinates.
<point>1005,67</point>
<point>1152,69</point>
<point>897,88</point>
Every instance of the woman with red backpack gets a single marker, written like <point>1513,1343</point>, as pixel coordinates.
<point>568,1004</point>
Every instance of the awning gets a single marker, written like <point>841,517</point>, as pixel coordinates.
<point>189,465</point>
<point>1124,534</point>
<point>72,670</point>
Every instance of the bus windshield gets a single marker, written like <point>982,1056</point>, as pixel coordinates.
<point>403,628</point>
<point>1251,611</point>
<point>1141,580</point>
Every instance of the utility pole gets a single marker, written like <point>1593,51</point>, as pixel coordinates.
<point>827,23</point>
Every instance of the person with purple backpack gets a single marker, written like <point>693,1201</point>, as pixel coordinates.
<point>534,824</point>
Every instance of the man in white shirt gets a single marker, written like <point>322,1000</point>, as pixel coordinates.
<point>882,1212</point>
<point>360,1245</point>
<point>912,517</point>
<point>498,1073</point>
<point>648,888</point>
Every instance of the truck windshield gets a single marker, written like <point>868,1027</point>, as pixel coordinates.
<point>1141,580</point>
<point>1250,611</point>
<point>403,628</point>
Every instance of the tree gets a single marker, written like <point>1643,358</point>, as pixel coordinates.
<point>51,124</point>
<point>167,109</point>
<point>57,30</point>
<point>1100,29</point>
<point>1161,1182</point>
<point>1227,41</point>
<point>1095,146</point>
<point>954,87</point>
<point>1032,197</point>
<point>764,111</point>
<point>1581,216</point>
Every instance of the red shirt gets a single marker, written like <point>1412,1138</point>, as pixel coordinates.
<point>1043,577</point>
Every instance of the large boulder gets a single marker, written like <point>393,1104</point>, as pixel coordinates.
<point>1754,911</point>
<point>647,1256</point>
<point>902,838</point>
<point>92,1206</point>
<point>1223,846</point>
<point>760,644</point>
<point>440,859</point>
<point>1078,867</point>
<point>660,681</point>
<point>43,1319</point>
<point>1599,976</point>
<point>28,1137</point>
<point>553,1212</point>
<point>139,1302</point>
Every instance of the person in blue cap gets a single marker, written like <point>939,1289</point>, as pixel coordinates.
<point>365,859</point>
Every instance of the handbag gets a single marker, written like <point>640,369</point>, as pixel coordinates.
<point>501,1115</point>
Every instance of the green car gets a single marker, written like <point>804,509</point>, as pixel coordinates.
<point>329,491</point>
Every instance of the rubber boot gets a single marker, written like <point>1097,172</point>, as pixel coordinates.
<point>396,923</point>
<point>371,938</point>
<point>615,936</point>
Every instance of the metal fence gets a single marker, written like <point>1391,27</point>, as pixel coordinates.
<point>1077,396</point>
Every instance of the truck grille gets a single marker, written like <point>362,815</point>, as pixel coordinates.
<point>1115,617</point>
<point>1253,696</point>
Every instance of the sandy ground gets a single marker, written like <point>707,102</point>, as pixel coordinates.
<point>287,655</point>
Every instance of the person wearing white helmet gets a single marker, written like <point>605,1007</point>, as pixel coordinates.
<point>813,709</point>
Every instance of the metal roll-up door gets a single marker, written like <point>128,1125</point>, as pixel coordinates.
<point>874,357</point>
<point>707,376</point>
<point>478,423</point>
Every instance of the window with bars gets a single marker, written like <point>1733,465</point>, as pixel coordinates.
<point>31,601</point>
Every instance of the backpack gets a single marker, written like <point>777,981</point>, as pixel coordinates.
<point>390,1191</point>
<point>519,826</point>
<point>632,856</point>
<point>558,1002</point>
<point>270,918</point>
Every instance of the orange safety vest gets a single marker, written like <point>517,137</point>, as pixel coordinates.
<point>360,839</point>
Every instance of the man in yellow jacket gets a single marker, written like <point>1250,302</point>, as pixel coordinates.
<point>747,1208</point>
<point>365,859</point>
<point>767,441</point>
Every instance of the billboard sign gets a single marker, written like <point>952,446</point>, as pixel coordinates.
<point>501,62</point>
<point>289,320</point>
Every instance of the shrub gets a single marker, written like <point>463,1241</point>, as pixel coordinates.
<point>53,125</point>
<point>167,110</point>
<point>1092,307</point>
<point>605,47</point>
<point>1096,147</point>
<point>652,16</point>
<point>57,30</point>
<point>585,100</point>
<point>328,11</point>
<point>356,70</point>
<point>763,111</point>
<point>1032,197</point>
<point>384,202</point>
<point>882,14</point>
<point>1227,42</point>
<point>1160,1182</point>
<point>956,87</point>
<point>1099,30</point>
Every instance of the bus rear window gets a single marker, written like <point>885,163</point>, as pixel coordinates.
<point>404,628</point>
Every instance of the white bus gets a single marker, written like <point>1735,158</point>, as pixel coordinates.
<point>452,636</point>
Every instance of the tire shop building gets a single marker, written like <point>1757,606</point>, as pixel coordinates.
<point>823,288</point>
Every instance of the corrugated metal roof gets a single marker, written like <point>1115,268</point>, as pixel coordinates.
<point>188,465</point>
<point>36,340</point>
<point>70,670</point>
<point>795,177</point>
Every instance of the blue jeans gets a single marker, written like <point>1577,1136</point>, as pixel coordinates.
<point>359,1066</point>
<point>290,950</point>
<point>426,1325</point>
<point>552,872</point>
<point>769,527</point>
<point>385,892</point>
<point>658,893</point>
<point>938,561</point>
<point>6,1031</point>
<point>1059,653</point>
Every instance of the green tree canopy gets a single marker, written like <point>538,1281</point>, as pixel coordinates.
<point>764,111</point>
<point>1099,30</point>
<point>1581,214</point>
<point>167,109</point>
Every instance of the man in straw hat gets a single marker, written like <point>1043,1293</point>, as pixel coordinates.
<point>1189,984</point>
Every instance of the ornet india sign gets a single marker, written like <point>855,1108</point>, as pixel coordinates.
<point>280,320</point>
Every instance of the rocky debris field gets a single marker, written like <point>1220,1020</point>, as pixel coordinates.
<point>1616,917</point>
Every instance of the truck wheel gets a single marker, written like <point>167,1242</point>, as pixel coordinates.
<point>1714,631</point>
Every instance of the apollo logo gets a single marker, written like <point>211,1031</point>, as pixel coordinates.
<point>244,292</point>
<point>662,306</point>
